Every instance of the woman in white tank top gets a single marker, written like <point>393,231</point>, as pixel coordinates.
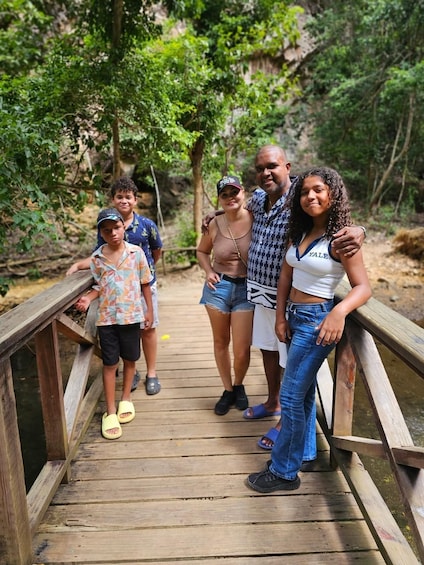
<point>306,316</point>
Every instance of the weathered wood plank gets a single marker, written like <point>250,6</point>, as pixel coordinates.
<point>76,385</point>
<point>393,429</point>
<point>392,543</point>
<point>211,541</point>
<point>45,486</point>
<point>395,331</point>
<point>172,513</point>
<point>363,446</point>
<point>152,480</point>
<point>411,456</point>
<point>51,392</point>
<point>338,558</point>
<point>15,535</point>
<point>216,466</point>
<point>43,489</point>
<point>76,333</point>
<point>18,325</point>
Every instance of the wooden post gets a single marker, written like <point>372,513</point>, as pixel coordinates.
<point>344,391</point>
<point>51,391</point>
<point>345,373</point>
<point>15,535</point>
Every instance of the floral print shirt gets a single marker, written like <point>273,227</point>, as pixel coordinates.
<point>119,286</point>
<point>143,232</point>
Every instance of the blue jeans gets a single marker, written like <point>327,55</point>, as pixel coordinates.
<point>297,393</point>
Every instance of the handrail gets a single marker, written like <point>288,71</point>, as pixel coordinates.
<point>67,415</point>
<point>357,350</point>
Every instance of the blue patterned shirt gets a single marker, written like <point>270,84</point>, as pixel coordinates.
<point>144,233</point>
<point>267,248</point>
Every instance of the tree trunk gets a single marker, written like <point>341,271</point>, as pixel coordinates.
<point>116,148</point>
<point>118,8</point>
<point>395,157</point>
<point>196,157</point>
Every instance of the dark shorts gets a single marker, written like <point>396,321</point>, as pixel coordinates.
<point>119,341</point>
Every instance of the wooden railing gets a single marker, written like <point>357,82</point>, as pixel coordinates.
<point>358,350</point>
<point>67,413</point>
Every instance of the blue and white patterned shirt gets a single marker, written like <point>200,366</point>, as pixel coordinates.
<point>267,248</point>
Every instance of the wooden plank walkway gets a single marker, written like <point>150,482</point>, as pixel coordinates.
<point>171,489</point>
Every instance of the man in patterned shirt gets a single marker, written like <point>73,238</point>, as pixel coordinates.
<point>266,254</point>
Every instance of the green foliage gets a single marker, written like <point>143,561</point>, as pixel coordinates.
<point>367,93</point>
<point>4,285</point>
<point>19,49</point>
<point>186,237</point>
<point>30,167</point>
<point>136,23</point>
<point>233,104</point>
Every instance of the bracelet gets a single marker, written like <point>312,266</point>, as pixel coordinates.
<point>364,230</point>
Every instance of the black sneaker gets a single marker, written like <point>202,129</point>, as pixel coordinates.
<point>135,382</point>
<point>241,401</point>
<point>225,402</point>
<point>265,481</point>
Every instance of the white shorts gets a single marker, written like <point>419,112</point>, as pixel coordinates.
<point>154,289</point>
<point>264,336</point>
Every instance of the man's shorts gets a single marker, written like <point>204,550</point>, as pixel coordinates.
<point>154,289</point>
<point>264,336</point>
<point>119,341</point>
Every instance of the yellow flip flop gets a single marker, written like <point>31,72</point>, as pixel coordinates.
<point>109,423</point>
<point>126,407</point>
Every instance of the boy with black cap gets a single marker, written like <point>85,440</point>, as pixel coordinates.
<point>118,269</point>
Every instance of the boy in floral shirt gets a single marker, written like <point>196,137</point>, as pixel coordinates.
<point>122,275</point>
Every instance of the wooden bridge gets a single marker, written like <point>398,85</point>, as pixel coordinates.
<point>171,489</point>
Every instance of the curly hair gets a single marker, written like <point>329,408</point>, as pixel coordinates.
<point>339,212</point>
<point>123,184</point>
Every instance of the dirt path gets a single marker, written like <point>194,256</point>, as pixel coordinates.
<point>396,279</point>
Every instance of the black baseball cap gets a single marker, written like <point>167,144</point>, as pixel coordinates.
<point>228,181</point>
<point>109,214</point>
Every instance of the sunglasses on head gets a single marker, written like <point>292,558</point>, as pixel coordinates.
<point>230,193</point>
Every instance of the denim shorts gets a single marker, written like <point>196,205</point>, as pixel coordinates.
<point>227,297</point>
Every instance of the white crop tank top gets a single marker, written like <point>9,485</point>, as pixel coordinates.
<point>315,272</point>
